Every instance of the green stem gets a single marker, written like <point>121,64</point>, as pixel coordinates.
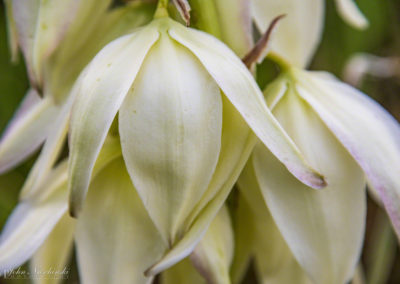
<point>162,9</point>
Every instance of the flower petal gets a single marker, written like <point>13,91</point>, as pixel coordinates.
<point>49,154</point>
<point>244,232</point>
<point>299,33</point>
<point>235,24</point>
<point>116,240</point>
<point>349,12</point>
<point>240,88</point>
<point>41,25</point>
<point>213,255</point>
<point>367,131</point>
<point>237,143</point>
<point>87,37</point>
<point>55,253</point>
<point>27,130</point>
<point>170,127</point>
<point>32,221</point>
<point>274,262</point>
<point>104,85</point>
<point>324,229</point>
<point>182,272</point>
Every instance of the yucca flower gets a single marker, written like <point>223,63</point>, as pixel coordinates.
<point>331,123</point>
<point>55,53</point>
<point>115,245</point>
<point>184,103</point>
<point>115,239</point>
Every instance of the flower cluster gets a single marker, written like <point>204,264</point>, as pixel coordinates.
<point>162,120</point>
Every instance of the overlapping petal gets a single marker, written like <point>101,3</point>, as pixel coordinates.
<point>170,127</point>
<point>41,25</point>
<point>55,253</point>
<point>33,220</point>
<point>365,129</point>
<point>260,238</point>
<point>27,130</point>
<point>107,81</point>
<point>213,255</point>
<point>235,24</point>
<point>116,239</point>
<point>240,88</point>
<point>52,147</point>
<point>323,229</point>
<point>237,143</point>
<point>182,272</point>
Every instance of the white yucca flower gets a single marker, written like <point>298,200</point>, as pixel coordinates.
<point>352,140</point>
<point>185,103</point>
<point>56,41</point>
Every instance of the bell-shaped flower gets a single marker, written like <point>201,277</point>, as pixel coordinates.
<point>46,119</point>
<point>186,108</point>
<point>299,34</point>
<point>114,236</point>
<point>349,138</point>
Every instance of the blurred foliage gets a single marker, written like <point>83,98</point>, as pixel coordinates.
<point>13,85</point>
<point>339,43</point>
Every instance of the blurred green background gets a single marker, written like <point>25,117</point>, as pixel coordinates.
<point>381,259</point>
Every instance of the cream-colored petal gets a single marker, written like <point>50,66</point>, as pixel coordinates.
<point>240,88</point>
<point>104,85</point>
<point>170,127</point>
<point>237,144</point>
<point>27,130</point>
<point>369,133</point>
<point>116,240</point>
<point>299,33</point>
<point>182,272</point>
<point>49,154</point>
<point>235,24</point>
<point>350,13</point>
<point>33,220</point>
<point>324,229</point>
<point>213,255</point>
<point>83,43</point>
<point>41,25</point>
<point>244,232</point>
<point>274,262</point>
<point>54,254</point>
